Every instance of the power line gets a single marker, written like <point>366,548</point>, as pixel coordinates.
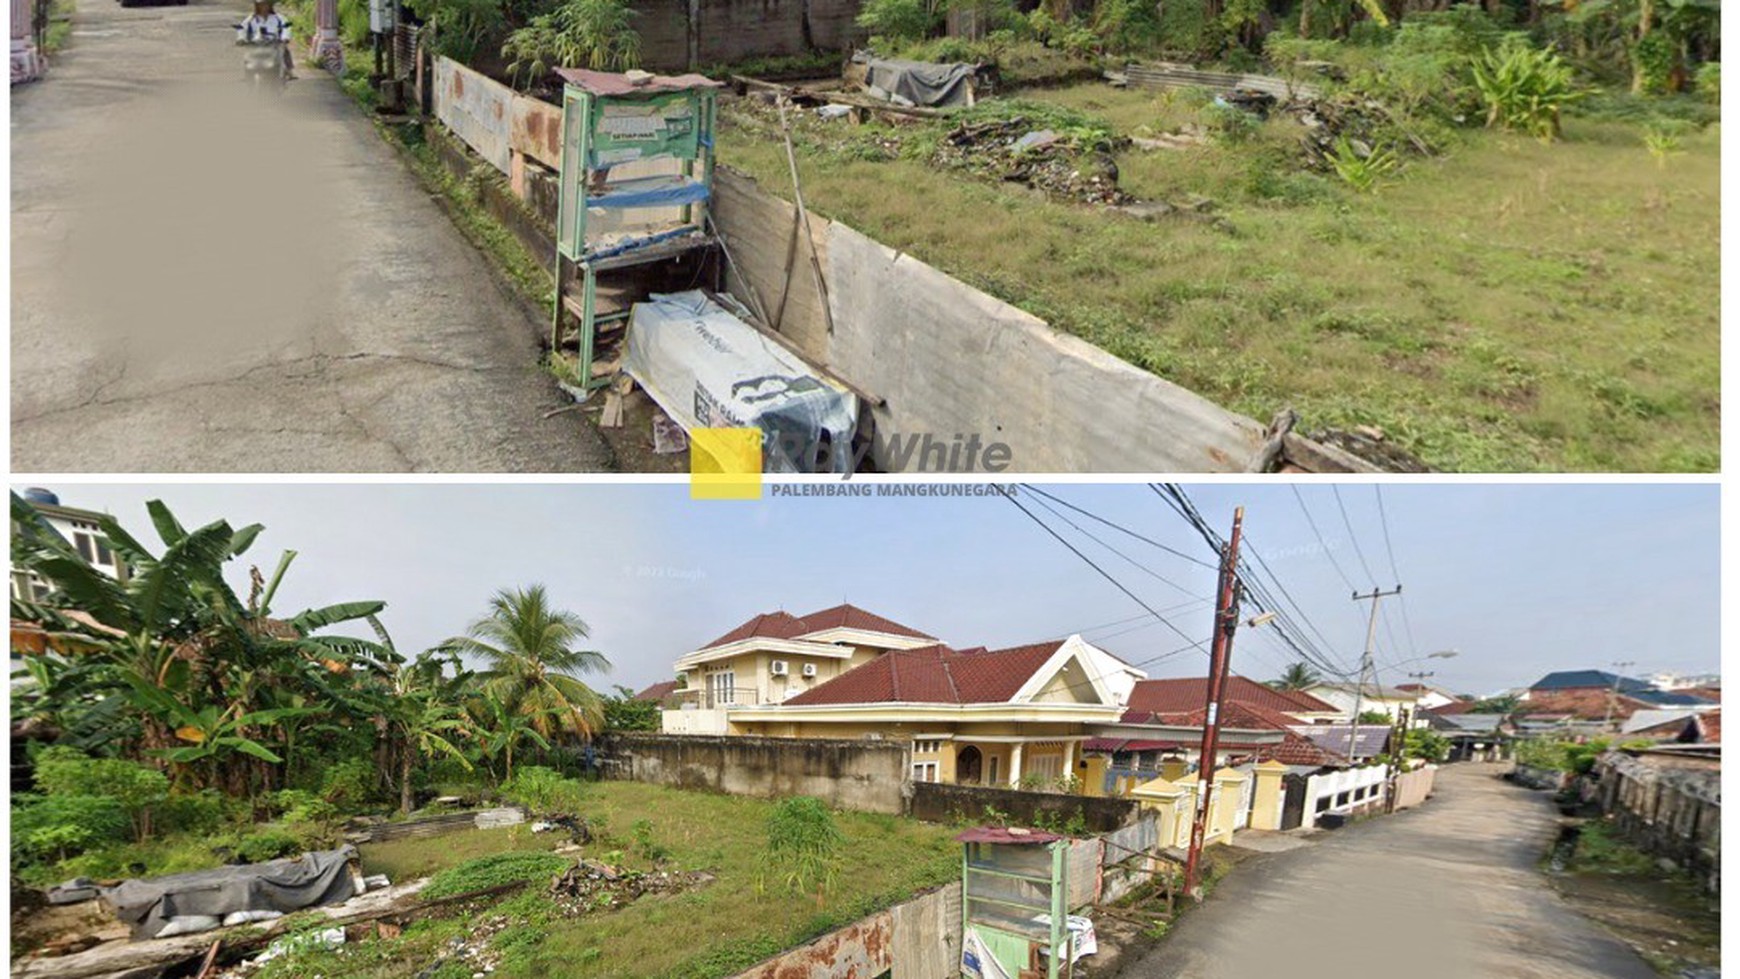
<point>1121,528</point>
<point>1092,564</point>
<point>1320,541</point>
<point>1139,566</point>
<point>1351,536</point>
<point>1384,521</point>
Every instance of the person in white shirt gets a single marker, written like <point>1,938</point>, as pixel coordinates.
<point>266,24</point>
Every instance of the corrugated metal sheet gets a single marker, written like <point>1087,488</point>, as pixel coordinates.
<point>1083,872</point>
<point>475,108</point>
<point>1142,836</point>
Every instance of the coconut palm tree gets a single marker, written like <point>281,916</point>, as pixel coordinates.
<point>532,662</point>
<point>1297,676</point>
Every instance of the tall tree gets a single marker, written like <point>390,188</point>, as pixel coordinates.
<point>532,662</point>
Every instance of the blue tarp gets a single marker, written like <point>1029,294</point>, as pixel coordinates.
<point>659,192</point>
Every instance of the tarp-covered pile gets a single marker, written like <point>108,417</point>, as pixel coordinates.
<point>917,82</point>
<point>708,369</point>
<point>181,904</point>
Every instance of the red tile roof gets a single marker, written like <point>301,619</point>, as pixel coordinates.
<point>1712,722</point>
<point>658,692</point>
<point>1297,749</point>
<point>1452,708</point>
<point>1233,714</point>
<point>1187,693</point>
<point>783,625</point>
<point>933,675</point>
<point>853,617</point>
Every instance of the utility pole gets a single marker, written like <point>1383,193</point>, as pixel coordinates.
<point>1226,622</point>
<point>1398,754</point>
<point>1613,693</point>
<point>1365,663</point>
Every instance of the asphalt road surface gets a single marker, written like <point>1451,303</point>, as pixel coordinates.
<point>1450,890</point>
<point>209,279</point>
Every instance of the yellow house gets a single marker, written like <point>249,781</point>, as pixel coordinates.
<point>776,656</point>
<point>1011,717</point>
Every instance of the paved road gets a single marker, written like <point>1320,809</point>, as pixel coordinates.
<point>209,280</point>
<point>1448,890</point>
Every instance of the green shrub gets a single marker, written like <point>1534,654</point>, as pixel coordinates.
<point>493,871</point>
<point>203,812</point>
<point>55,827</point>
<point>595,34</point>
<point>803,845</point>
<point>350,784</point>
<point>544,791</point>
<point>1524,88</point>
<point>1708,82</point>
<point>1231,125</point>
<point>136,788</point>
<point>1360,171</point>
<point>267,844</point>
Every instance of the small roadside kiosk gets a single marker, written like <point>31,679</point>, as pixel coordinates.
<point>632,215</point>
<point>1015,904</point>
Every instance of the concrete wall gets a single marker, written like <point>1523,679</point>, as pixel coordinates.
<point>1413,787</point>
<point>1668,811</point>
<point>681,34</point>
<point>1367,781</point>
<point>940,803</point>
<point>864,775</point>
<point>918,939</point>
<point>944,359</point>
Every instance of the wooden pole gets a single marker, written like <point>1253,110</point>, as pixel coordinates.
<point>804,219</point>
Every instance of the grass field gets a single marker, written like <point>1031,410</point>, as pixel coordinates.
<point>1506,306</point>
<point>715,929</point>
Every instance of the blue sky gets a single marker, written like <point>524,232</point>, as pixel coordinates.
<point>1520,579</point>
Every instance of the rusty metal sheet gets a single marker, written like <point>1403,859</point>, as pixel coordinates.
<point>861,950</point>
<point>535,129</point>
<point>475,108</point>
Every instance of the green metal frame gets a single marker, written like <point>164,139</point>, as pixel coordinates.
<point>1056,909</point>
<point>585,142</point>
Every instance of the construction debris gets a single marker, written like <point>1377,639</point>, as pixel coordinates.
<point>1015,150</point>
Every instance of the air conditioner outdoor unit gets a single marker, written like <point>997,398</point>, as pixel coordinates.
<point>809,669</point>
<point>778,668</point>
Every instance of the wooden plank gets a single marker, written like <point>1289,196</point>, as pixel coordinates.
<point>1319,458</point>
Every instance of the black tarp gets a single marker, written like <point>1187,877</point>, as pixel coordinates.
<point>916,82</point>
<point>148,905</point>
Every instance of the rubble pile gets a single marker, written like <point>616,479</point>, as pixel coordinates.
<point>593,886</point>
<point>1020,151</point>
<point>1367,124</point>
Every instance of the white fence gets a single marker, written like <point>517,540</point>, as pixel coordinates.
<point>1345,792</point>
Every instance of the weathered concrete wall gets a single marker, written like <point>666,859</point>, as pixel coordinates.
<point>682,34</point>
<point>865,775</point>
<point>918,939</point>
<point>1666,810</point>
<point>1539,778</point>
<point>1413,787</point>
<point>947,358</point>
<point>940,803</point>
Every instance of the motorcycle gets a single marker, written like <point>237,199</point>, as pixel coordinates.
<point>263,61</point>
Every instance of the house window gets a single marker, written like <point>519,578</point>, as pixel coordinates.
<point>926,747</point>
<point>1048,767</point>
<point>924,771</point>
<point>87,546</point>
<point>105,557</point>
<point>722,687</point>
<point>995,770</point>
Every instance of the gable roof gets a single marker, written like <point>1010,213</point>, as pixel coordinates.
<point>1573,679</point>
<point>784,625</point>
<point>933,675</point>
<point>1669,698</point>
<point>1234,714</point>
<point>1452,708</point>
<point>846,616</point>
<point>1371,739</point>
<point>1182,694</point>
<point>658,692</point>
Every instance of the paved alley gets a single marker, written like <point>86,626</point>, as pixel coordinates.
<point>1447,891</point>
<point>205,278</point>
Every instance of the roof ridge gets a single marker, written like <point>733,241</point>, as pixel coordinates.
<point>894,674</point>
<point>949,675</point>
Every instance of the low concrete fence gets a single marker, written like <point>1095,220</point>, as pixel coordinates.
<point>865,775</point>
<point>918,939</point>
<point>1670,812</point>
<point>941,356</point>
<point>1413,787</point>
<point>939,803</point>
<point>1344,792</point>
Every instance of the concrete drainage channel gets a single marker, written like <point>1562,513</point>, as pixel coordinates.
<point>938,365</point>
